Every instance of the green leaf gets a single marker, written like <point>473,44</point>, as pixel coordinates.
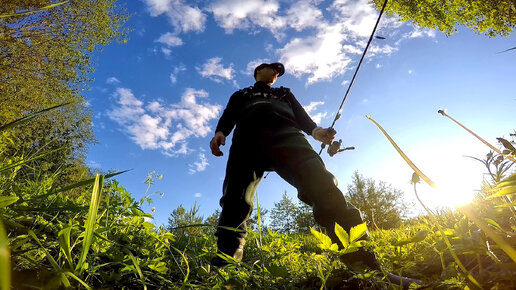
<point>325,241</point>
<point>357,232</point>
<point>5,260</point>
<point>421,235</point>
<point>78,280</point>
<point>64,242</point>
<point>160,267</point>
<point>507,190</point>
<point>493,223</point>
<point>91,221</point>
<point>342,235</point>
<point>7,200</point>
<point>148,226</point>
<point>278,271</point>
<point>137,266</point>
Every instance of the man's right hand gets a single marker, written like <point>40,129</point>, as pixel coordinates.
<point>215,143</point>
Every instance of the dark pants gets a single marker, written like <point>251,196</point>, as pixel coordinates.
<point>287,152</point>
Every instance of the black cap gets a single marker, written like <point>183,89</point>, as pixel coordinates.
<point>277,66</point>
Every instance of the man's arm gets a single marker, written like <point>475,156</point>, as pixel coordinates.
<point>302,118</point>
<point>229,117</point>
<point>219,139</point>
<point>306,123</point>
<point>226,123</point>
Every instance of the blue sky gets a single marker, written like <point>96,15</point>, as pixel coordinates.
<point>156,99</point>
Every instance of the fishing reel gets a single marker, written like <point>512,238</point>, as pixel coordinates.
<point>335,148</point>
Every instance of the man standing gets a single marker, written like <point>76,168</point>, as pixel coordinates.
<point>268,137</point>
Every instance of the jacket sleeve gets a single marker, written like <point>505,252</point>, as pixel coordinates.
<point>303,120</point>
<point>229,117</point>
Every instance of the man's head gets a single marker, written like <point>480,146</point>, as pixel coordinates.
<point>268,72</point>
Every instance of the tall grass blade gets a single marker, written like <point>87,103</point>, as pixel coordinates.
<point>409,162</point>
<point>500,241</point>
<point>27,118</point>
<point>5,260</point>
<point>22,162</point>
<point>91,221</point>
<point>442,112</point>
<point>88,181</point>
<point>64,242</point>
<point>52,261</point>
<point>446,240</point>
<point>137,266</point>
<point>30,12</point>
<point>7,200</point>
<point>78,280</point>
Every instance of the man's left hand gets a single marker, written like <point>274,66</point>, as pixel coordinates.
<point>325,136</point>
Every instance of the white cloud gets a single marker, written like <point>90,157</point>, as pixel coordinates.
<point>199,165</point>
<point>162,126</point>
<point>237,14</point>
<point>357,17</point>
<point>320,56</point>
<point>378,65</point>
<point>253,64</point>
<point>166,51</point>
<point>197,194</point>
<point>418,32</point>
<point>410,71</point>
<point>169,40</point>
<point>175,72</point>
<point>112,80</point>
<point>183,17</point>
<point>214,70</point>
<point>312,107</point>
<point>303,14</point>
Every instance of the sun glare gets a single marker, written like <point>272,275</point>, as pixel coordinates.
<point>456,184</point>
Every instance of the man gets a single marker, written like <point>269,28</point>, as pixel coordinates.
<point>268,137</point>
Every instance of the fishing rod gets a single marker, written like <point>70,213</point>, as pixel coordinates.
<point>334,148</point>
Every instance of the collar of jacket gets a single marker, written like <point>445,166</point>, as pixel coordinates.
<point>261,86</point>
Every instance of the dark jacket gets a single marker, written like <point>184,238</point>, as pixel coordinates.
<point>260,105</point>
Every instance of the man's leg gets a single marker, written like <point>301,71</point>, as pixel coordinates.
<point>237,204</point>
<point>296,162</point>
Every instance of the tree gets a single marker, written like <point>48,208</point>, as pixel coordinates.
<point>490,17</point>
<point>289,217</point>
<point>304,218</point>
<point>45,60</point>
<point>181,221</point>
<point>283,215</point>
<point>380,204</point>
<point>213,221</point>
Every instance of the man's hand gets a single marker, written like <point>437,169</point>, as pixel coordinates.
<point>324,135</point>
<point>215,143</point>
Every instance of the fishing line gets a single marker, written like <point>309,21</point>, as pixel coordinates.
<point>337,116</point>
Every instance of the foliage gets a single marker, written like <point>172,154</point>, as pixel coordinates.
<point>282,215</point>
<point>99,237</point>
<point>182,222</point>
<point>490,17</point>
<point>45,59</point>
<point>289,216</point>
<point>381,205</point>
